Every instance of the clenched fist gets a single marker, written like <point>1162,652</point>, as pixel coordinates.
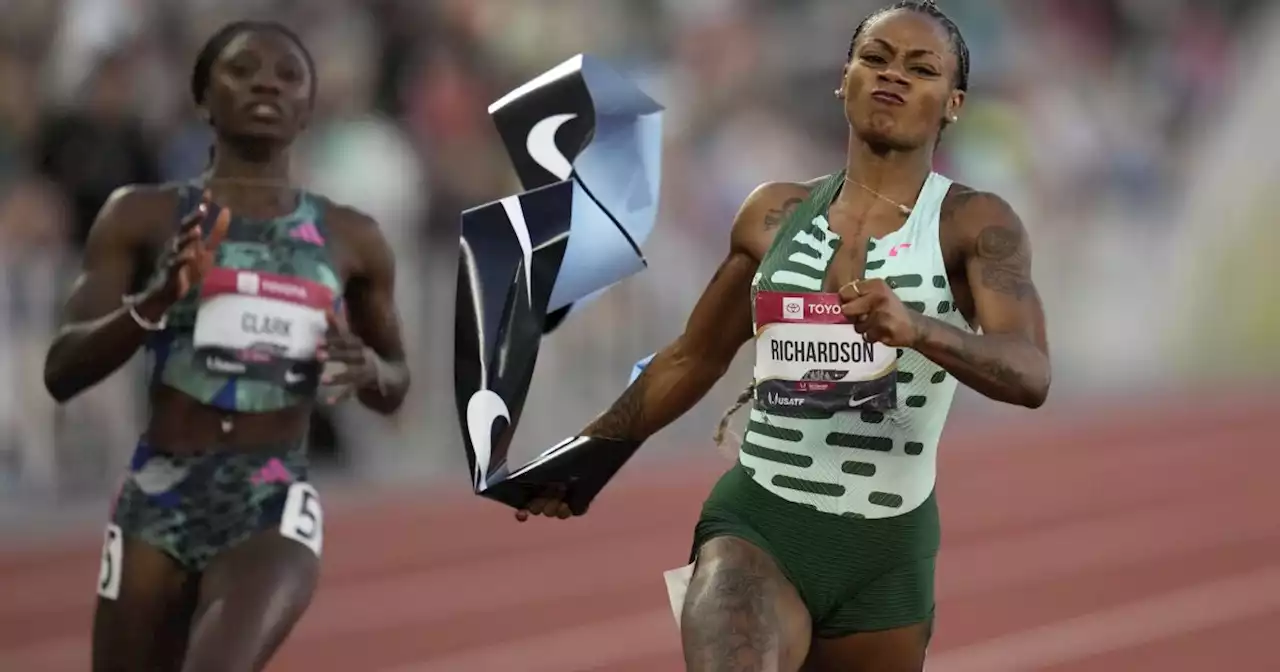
<point>878,314</point>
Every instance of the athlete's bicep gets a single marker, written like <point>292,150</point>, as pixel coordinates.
<point>370,295</point>
<point>721,320</point>
<point>998,269</point>
<point>110,260</point>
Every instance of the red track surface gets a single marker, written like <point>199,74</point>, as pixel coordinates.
<point>1146,545</point>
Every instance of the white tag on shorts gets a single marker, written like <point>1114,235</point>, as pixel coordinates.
<point>112,557</point>
<point>303,519</point>
<point>677,586</point>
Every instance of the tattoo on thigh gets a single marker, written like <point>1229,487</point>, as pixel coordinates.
<point>735,626</point>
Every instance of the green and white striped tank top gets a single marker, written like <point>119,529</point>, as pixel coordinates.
<point>857,463</point>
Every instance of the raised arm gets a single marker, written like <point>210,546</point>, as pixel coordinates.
<point>98,335</point>
<point>683,372</point>
<point>1009,360</point>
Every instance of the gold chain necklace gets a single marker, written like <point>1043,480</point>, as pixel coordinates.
<point>904,209</point>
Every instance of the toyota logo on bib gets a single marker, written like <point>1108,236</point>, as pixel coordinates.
<point>793,308</point>
<point>248,282</point>
<point>824,309</point>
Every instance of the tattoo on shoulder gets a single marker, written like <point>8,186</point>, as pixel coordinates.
<point>778,216</point>
<point>1001,251</point>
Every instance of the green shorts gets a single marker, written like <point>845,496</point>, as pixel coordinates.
<point>854,575</point>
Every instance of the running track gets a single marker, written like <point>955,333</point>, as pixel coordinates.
<point>1102,545</point>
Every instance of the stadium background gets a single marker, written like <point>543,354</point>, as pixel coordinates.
<point>1125,526</point>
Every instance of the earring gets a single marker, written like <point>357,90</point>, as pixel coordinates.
<point>838,93</point>
<point>955,119</point>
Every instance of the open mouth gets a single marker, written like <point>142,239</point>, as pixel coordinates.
<point>887,97</point>
<point>265,112</point>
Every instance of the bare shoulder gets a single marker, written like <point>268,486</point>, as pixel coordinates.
<point>359,234</point>
<point>138,213</point>
<point>981,223</point>
<point>347,219</point>
<point>765,210</point>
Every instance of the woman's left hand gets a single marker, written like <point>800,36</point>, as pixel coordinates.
<point>879,315</point>
<point>349,364</point>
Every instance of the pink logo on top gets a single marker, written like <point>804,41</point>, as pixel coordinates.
<point>307,233</point>
<point>272,472</point>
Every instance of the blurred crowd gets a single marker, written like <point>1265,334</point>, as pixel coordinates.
<point>1081,113</point>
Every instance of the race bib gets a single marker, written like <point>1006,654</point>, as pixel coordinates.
<point>302,518</point>
<point>261,326</point>
<point>112,563</point>
<point>810,358</point>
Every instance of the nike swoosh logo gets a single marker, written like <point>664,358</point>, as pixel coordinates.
<point>483,408</point>
<point>854,403</point>
<point>292,378</point>
<point>541,144</point>
<point>515,215</point>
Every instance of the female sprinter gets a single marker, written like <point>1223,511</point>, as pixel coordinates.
<point>213,549</point>
<point>865,292</point>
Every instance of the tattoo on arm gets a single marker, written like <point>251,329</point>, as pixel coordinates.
<point>984,353</point>
<point>1001,252</point>
<point>779,215</point>
<point>625,418</point>
<point>1004,367</point>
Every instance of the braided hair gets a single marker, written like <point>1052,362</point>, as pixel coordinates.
<point>722,427</point>
<point>930,9</point>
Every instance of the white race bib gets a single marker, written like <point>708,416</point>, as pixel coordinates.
<point>810,358</point>
<point>261,325</point>
<point>111,566</point>
<point>253,323</point>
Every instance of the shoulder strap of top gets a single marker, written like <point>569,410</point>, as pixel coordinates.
<point>817,202</point>
<point>928,206</point>
<point>188,198</point>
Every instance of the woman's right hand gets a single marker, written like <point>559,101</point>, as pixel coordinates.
<point>189,255</point>
<point>551,504</point>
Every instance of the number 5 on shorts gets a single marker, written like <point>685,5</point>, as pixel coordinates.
<point>112,555</point>
<point>302,519</point>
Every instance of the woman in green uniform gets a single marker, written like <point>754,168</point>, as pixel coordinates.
<point>870,294</point>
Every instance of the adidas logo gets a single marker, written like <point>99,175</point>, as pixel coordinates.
<point>272,472</point>
<point>307,233</point>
